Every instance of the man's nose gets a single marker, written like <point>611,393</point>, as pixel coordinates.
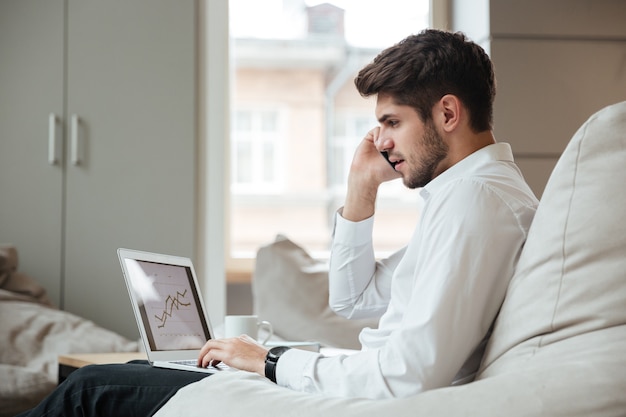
<point>383,142</point>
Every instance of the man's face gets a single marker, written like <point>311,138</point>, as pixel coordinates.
<point>414,147</point>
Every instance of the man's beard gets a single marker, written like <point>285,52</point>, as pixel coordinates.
<point>435,150</point>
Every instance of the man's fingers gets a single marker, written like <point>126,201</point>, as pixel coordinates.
<point>208,351</point>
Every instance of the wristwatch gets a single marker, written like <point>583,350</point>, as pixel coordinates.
<point>272,359</point>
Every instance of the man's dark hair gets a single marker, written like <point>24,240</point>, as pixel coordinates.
<point>422,68</point>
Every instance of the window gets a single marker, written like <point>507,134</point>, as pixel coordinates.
<point>297,118</point>
<point>256,151</point>
<point>347,133</point>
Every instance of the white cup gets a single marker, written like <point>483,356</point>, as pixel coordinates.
<point>235,326</point>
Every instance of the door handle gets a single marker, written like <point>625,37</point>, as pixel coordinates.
<point>77,148</point>
<point>54,147</point>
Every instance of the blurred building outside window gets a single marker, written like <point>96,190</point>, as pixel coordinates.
<point>296,119</point>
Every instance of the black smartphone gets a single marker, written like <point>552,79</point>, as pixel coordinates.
<point>386,156</point>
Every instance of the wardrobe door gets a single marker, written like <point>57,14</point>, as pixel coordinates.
<point>131,152</point>
<point>31,136</point>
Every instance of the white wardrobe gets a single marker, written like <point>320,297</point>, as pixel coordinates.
<point>98,142</point>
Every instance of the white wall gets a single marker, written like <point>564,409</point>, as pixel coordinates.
<point>557,62</point>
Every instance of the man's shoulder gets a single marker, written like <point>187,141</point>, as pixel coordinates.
<point>476,196</point>
<point>499,179</point>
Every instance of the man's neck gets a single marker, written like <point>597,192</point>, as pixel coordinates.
<point>462,146</point>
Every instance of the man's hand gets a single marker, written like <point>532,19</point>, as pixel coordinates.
<point>241,352</point>
<point>368,170</point>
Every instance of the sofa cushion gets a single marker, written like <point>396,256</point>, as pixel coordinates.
<point>568,388</point>
<point>290,289</point>
<point>571,276</point>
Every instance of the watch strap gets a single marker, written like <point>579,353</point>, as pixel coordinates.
<point>273,355</point>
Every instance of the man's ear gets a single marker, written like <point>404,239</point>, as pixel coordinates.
<point>449,112</point>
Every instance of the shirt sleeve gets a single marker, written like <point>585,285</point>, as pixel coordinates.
<point>464,251</point>
<point>359,285</point>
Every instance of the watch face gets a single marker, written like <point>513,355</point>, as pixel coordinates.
<point>275,352</point>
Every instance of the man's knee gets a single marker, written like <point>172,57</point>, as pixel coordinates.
<point>97,375</point>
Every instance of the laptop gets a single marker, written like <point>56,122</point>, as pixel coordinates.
<point>168,307</point>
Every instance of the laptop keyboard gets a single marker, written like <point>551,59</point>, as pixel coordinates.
<point>194,363</point>
<point>188,362</point>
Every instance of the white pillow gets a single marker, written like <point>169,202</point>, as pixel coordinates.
<point>571,277</point>
<point>290,289</point>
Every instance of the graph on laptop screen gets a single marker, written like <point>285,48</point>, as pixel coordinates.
<point>168,305</point>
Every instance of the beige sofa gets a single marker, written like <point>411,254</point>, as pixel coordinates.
<point>559,343</point>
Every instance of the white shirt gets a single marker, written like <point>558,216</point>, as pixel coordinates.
<point>436,298</point>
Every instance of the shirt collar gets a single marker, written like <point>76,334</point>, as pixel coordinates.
<point>490,153</point>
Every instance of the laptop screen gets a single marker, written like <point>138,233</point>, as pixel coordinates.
<point>169,305</point>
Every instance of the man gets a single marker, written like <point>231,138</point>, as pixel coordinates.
<point>436,298</point>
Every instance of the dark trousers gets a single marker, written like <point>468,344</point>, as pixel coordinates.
<point>120,390</point>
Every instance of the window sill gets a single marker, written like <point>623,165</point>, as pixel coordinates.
<point>238,277</point>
